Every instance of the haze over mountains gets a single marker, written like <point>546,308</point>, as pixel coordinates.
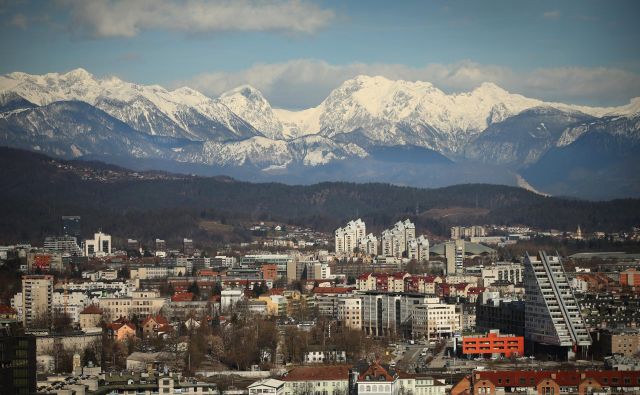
<point>367,129</point>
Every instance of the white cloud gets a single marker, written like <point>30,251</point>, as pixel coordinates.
<point>122,18</point>
<point>304,83</point>
<point>553,14</point>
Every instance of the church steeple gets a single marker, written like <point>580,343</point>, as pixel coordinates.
<point>579,233</point>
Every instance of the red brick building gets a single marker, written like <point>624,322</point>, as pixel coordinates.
<point>549,382</point>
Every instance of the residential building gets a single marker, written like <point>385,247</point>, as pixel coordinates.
<point>100,245</point>
<point>461,232</point>
<point>418,249</point>
<point>454,255</point>
<point>326,380</point>
<point>90,317</point>
<point>63,244</point>
<point>37,299</point>
<point>155,326</point>
<point>348,238</point>
<point>369,245</point>
<point>267,386</point>
<point>395,241</point>
<point>619,341</point>
<point>552,315</point>
<point>225,261</point>
<point>580,382</point>
<point>140,303</point>
<point>121,330</point>
<point>328,354</point>
<point>350,312</point>
<point>502,271</point>
<point>230,297</point>
<point>630,278</point>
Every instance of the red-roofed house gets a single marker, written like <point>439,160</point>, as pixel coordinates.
<point>8,312</point>
<point>333,379</point>
<point>155,326</point>
<point>422,284</point>
<point>550,382</point>
<point>366,282</point>
<point>121,330</point>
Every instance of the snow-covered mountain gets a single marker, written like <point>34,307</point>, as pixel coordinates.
<point>248,103</point>
<point>76,114</point>
<point>182,113</point>
<point>385,112</point>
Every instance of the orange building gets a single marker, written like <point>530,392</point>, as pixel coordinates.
<point>493,343</point>
<point>630,277</point>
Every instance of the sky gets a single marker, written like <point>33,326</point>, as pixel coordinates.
<point>296,52</point>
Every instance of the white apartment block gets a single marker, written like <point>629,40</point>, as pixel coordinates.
<point>434,319</point>
<point>100,245</point>
<point>347,239</point>
<point>140,303</point>
<point>395,241</point>
<point>419,249</point>
<point>369,245</point>
<point>70,302</point>
<point>350,312</point>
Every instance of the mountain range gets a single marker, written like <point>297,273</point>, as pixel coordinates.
<point>367,129</point>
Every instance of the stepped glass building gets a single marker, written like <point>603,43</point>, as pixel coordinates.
<point>552,315</point>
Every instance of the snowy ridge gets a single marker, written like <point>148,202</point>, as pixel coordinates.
<point>240,128</point>
<point>153,109</point>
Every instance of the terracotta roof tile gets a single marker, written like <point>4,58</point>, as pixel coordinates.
<point>317,373</point>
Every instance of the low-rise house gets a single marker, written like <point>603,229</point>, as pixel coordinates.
<point>267,386</point>
<point>121,330</point>
<point>155,326</point>
<point>90,317</point>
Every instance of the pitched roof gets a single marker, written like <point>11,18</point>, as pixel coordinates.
<point>374,372</point>
<point>91,309</point>
<point>158,319</point>
<point>317,373</point>
<point>182,297</point>
<point>116,326</point>
<point>364,276</point>
<point>524,378</point>
<point>4,309</point>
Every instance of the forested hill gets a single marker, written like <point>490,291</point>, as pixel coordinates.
<point>36,190</point>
